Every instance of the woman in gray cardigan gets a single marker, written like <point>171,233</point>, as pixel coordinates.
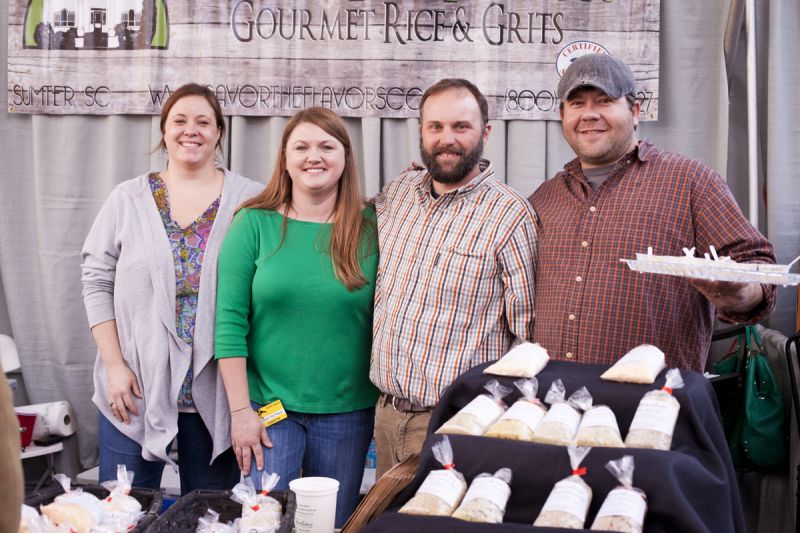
<point>149,286</point>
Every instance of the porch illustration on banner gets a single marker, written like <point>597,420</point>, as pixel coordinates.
<point>96,24</point>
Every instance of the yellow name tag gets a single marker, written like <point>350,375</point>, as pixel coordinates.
<point>272,413</point>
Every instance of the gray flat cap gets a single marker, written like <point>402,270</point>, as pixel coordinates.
<point>600,71</point>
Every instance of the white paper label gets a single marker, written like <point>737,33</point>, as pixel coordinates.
<point>483,408</point>
<point>564,414</point>
<point>569,497</point>
<point>601,416</point>
<point>526,412</point>
<point>489,488</point>
<point>443,484</point>
<point>624,502</point>
<point>656,415</point>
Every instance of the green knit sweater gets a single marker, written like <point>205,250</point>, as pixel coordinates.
<point>307,338</point>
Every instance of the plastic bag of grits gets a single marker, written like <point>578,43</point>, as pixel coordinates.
<point>524,360</point>
<point>261,513</point>
<point>624,508</point>
<point>209,523</point>
<point>486,498</point>
<point>567,504</point>
<point>476,417</point>
<point>522,418</point>
<point>442,490</point>
<point>121,510</point>
<point>74,510</point>
<point>654,421</point>
<point>599,428</point>
<point>640,365</point>
<point>561,422</point>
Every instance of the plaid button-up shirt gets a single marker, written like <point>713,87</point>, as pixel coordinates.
<point>591,307</point>
<point>455,281</point>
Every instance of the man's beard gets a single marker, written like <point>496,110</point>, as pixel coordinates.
<point>460,171</point>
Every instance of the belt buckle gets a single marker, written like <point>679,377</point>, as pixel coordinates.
<point>394,406</point>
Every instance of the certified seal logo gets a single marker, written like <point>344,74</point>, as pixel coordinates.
<point>96,25</point>
<point>573,51</point>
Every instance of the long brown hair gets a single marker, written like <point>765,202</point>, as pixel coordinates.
<point>348,223</point>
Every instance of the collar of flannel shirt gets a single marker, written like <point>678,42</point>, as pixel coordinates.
<point>643,151</point>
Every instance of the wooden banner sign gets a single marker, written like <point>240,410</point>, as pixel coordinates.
<point>360,58</point>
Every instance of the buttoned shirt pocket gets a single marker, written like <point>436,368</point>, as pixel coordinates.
<point>460,270</point>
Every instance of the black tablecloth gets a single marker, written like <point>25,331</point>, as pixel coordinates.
<point>690,488</point>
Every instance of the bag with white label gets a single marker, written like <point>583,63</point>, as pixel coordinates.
<point>567,504</point>
<point>442,490</point>
<point>475,417</point>
<point>624,508</point>
<point>486,498</point>
<point>599,428</point>
<point>522,418</point>
<point>654,421</point>
<point>561,422</point>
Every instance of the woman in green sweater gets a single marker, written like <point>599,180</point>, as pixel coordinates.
<point>294,314</point>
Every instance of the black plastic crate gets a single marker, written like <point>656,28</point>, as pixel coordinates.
<point>151,500</point>
<point>183,515</point>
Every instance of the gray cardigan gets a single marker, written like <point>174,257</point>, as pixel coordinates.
<point>128,275</point>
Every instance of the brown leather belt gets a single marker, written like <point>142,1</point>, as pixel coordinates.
<point>405,406</point>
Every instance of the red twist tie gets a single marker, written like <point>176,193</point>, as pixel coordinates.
<point>579,471</point>
<point>668,390</point>
<point>255,507</point>
<point>449,466</point>
<point>264,492</point>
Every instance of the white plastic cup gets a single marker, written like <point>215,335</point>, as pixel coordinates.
<point>316,504</point>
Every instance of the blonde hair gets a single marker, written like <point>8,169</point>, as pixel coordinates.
<point>348,223</point>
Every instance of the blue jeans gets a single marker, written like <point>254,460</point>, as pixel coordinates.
<point>194,454</point>
<point>329,445</point>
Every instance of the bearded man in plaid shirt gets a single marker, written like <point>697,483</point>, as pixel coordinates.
<point>456,272</point>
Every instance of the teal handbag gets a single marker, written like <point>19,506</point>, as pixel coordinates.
<point>753,416</point>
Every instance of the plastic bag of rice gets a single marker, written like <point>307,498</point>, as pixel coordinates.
<point>561,422</point>
<point>442,490</point>
<point>567,504</point>
<point>261,513</point>
<point>599,428</point>
<point>209,523</point>
<point>475,417</point>
<point>524,360</point>
<point>75,510</point>
<point>522,418</point>
<point>624,508</point>
<point>640,365</point>
<point>486,498</point>
<point>654,421</point>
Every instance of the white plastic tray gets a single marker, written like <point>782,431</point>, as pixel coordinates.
<point>717,269</point>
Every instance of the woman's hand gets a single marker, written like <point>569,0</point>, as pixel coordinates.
<point>247,436</point>
<point>121,385</point>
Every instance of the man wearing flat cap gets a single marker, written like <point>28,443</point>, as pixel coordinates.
<point>618,197</point>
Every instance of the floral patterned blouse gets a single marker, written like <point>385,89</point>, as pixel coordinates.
<point>188,247</point>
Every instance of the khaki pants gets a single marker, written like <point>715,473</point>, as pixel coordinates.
<point>398,435</point>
